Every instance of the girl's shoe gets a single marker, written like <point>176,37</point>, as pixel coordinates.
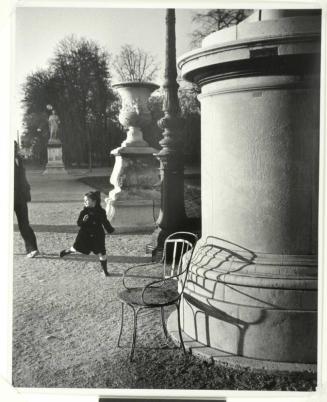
<point>104,267</point>
<point>64,252</point>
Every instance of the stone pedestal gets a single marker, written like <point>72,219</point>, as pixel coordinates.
<point>55,164</point>
<point>253,293</point>
<point>133,204</point>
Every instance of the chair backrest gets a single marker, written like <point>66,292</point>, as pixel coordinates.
<point>177,257</point>
<point>191,237</point>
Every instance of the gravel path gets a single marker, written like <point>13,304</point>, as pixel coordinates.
<point>66,316</point>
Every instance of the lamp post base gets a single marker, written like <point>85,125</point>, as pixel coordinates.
<point>155,248</point>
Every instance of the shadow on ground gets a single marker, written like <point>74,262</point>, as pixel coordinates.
<point>66,316</point>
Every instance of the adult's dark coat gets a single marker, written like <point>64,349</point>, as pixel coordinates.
<point>91,236</point>
<point>22,190</point>
<point>22,195</point>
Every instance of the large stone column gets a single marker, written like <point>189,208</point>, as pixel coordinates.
<point>253,287</point>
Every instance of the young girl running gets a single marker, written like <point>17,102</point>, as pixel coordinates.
<point>91,236</point>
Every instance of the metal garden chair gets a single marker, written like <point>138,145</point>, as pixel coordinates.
<point>163,292</point>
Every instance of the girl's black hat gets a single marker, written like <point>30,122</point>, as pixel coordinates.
<point>94,195</point>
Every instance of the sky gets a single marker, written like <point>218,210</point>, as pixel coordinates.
<point>38,31</point>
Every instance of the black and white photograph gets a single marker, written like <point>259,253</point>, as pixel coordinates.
<point>165,171</point>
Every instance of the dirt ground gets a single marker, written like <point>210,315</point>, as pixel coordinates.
<point>66,317</point>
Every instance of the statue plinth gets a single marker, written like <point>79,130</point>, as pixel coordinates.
<point>55,163</point>
<point>54,142</point>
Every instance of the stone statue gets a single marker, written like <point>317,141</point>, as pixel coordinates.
<point>54,125</point>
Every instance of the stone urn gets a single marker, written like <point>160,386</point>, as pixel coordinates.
<point>132,203</point>
<point>135,114</point>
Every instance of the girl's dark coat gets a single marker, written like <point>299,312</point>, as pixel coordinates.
<point>91,236</point>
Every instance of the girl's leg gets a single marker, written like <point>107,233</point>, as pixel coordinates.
<point>67,251</point>
<point>103,261</point>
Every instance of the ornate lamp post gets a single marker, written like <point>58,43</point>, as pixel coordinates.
<point>172,215</point>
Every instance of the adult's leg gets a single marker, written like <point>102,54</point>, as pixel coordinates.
<point>25,229</point>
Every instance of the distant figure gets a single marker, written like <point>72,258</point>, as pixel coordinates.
<point>54,125</point>
<point>91,237</point>
<point>22,196</point>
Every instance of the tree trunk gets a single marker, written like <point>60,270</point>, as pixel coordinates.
<point>89,145</point>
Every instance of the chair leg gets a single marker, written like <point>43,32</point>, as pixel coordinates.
<point>163,322</point>
<point>121,323</point>
<point>135,312</point>
<point>179,327</point>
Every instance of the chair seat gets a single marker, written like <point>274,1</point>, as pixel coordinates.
<point>153,296</point>
<point>163,288</point>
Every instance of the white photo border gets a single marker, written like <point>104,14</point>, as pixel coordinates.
<point>9,393</point>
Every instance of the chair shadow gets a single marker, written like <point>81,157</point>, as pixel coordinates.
<point>211,311</point>
<point>213,246</point>
<point>217,253</point>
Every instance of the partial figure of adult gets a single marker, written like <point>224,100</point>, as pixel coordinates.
<point>54,125</point>
<point>22,196</point>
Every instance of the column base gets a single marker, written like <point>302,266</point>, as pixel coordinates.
<point>216,356</point>
<point>253,305</point>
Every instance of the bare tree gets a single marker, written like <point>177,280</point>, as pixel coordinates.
<point>134,64</point>
<point>77,84</point>
<point>81,68</point>
<point>214,20</point>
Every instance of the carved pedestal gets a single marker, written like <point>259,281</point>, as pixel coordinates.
<point>133,204</point>
<point>55,163</point>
